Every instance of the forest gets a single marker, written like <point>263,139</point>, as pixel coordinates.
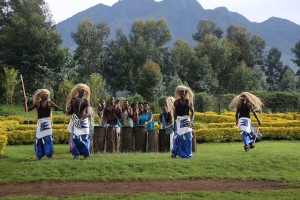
<point>142,64</point>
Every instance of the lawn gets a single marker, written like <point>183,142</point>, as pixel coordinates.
<point>269,160</point>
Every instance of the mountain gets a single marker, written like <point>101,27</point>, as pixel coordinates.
<point>183,17</point>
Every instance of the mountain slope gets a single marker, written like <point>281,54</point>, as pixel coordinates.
<point>183,17</point>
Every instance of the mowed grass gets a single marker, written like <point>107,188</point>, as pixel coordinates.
<point>235,195</point>
<point>276,160</point>
<point>269,160</point>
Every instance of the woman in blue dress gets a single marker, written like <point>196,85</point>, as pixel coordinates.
<point>146,118</point>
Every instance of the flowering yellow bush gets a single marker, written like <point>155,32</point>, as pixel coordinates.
<point>209,127</point>
<point>3,141</point>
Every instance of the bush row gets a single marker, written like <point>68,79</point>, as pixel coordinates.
<point>18,137</point>
<point>281,123</point>
<point>233,134</point>
<point>3,142</point>
<point>207,117</point>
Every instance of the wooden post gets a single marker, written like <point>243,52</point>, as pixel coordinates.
<point>25,98</point>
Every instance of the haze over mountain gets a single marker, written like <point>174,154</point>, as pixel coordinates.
<point>182,17</point>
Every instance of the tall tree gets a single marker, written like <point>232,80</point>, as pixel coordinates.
<point>288,80</point>
<point>31,44</point>
<point>240,37</point>
<point>96,84</point>
<point>242,79</point>
<point>148,41</point>
<point>273,68</point>
<point>223,58</point>
<point>92,40</point>
<point>118,70</point>
<point>150,78</point>
<point>202,77</point>
<point>182,55</point>
<point>206,27</point>
<point>257,48</point>
<point>296,51</point>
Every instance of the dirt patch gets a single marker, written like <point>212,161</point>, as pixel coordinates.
<point>136,186</point>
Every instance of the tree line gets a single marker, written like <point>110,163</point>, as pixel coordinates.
<point>142,62</point>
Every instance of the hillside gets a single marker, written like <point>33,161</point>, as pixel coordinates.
<point>182,17</point>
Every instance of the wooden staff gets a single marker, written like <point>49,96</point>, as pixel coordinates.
<point>25,98</point>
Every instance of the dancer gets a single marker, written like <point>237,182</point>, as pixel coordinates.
<point>184,115</point>
<point>243,104</point>
<point>79,127</point>
<point>44,145</point>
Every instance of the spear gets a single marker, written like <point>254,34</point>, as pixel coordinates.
<point>25,98</point>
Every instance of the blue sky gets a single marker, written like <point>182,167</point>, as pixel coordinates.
<point>254,10</point>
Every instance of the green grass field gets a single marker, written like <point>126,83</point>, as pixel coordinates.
<point>269,160</point>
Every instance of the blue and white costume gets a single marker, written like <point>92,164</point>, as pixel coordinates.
<point>183,140</point>
<point>44,140</point>
<point>80,136</point>
<point>247,130</point>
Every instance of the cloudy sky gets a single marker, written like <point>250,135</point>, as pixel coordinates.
<point>254,10</point>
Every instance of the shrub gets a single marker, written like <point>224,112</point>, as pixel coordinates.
<point>3,141</point>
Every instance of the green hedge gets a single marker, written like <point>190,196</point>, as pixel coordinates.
<point>18,137</point>
<point>3,141</point>
<point>233,134</point>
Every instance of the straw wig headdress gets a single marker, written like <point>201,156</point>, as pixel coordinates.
<point>37,96</point>
<point>188,92</point>
<point>254,101</point>
<point>75,91</point>
<point>170,104</point>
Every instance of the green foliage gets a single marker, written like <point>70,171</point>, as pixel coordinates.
<point>296,51</point>
<point>9,83</point>
<point>172,84</point>
<point>150,77</point>
<point>224,101</point>
<point>182,55</point>
<point>205,102</point>
<point>206,27</point>
<point>273,67</point>
<point>91,40</point>
<point>3,141</point>
<point>147,39</point>
<point>119,70</point>
<point>63,91</point>
<point>282,102</point>
<point>96,84</point>
<point>136,97</point>
<point>162,101</point>
<point>31,44</point>
<point>288,81</point>
<point>240,37</point>
<point>242,79</point>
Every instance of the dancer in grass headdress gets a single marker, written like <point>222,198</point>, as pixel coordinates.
<point>44,140</point>
<point>243,104</point>
<point>79,108</point>
<point>184,115</point>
